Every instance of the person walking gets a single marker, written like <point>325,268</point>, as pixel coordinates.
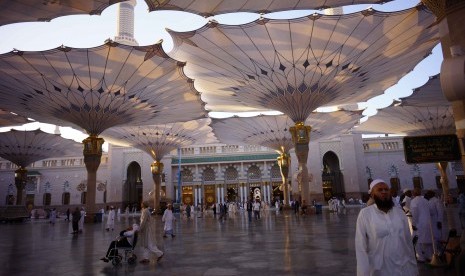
<point>147,235</point>
<point>53,216</point>
<point>81,220</point>
<point>168,218</point>
<point>383,243</point>
<point>68,212</point>
<point>188,211</point>
<point>421,225</point>
<point>436,209</point>
<point>111,219</point>
<point>249,209</point>
<point>256,208</point>
<point>76,218</point>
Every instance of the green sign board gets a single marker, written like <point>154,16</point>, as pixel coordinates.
<point>431,149</point>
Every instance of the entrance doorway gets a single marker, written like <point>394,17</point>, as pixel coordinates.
<point>255,192</point>
<point>133,186</point>
<point>332,178</point>
<point>232,192</point>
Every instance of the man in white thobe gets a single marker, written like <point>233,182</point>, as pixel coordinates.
<point>383,243</point>
<point>421,225</point>
<point>436,209</point>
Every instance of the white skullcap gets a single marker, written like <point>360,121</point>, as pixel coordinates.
<point>135,227</point>
<point>406,190</point>
<point>376,182</point>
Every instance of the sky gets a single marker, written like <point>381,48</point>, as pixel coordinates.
<point>84,31</point>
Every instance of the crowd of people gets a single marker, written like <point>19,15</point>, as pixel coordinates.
<point>393,234</point>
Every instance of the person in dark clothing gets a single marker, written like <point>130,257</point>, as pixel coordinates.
<point>68,212</point>
<point>188,211</point>
<point>249,209</point>
<point>76,218</point>
<point>214,209</point>
<point>296,207</point>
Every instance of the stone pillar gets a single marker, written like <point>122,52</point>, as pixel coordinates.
<point>301,137</point>
<point>20,183</point>
<point>92,157</point>
<point>449,15</point>
<point>157,170</point>
<point>284,162</point>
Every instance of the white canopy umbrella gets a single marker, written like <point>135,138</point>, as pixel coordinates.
<point>213,7</point>
<point>32,10</point>
<point>23,148</point>
<point>98,88</point>
<point>425,112</point>
<point>297,65</point>
<point>159,140</point>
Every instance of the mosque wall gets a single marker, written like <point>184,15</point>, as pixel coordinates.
<point>359,160</point>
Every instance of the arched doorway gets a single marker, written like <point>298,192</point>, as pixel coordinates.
<point>332,178</point>
<point>133,186</point>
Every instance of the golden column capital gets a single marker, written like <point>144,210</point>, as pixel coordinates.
<point>157,168</point>
<point>93,145</point>
<point>300,133</point>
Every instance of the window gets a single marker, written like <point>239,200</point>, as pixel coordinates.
<point>65,198</point>
<point>418,182</point>
<point>83,197</point>
<point>47,199</point>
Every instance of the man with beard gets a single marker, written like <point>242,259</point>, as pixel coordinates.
<point>383,243</point>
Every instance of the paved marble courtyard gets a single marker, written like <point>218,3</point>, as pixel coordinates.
<point>277,244</point>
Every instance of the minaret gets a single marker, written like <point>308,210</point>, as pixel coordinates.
<point>125,28</point>
<point>333,11</point>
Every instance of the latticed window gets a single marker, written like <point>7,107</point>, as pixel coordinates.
<point>65,198</point>
<point>275,172</point>
<point>231,173</point>
<point>186,175</point>
<point>47,199</point>
<point>254,172</point>
<point>209,174</point>
<point>418,182</point>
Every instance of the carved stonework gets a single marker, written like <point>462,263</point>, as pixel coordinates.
<point>441,8</point>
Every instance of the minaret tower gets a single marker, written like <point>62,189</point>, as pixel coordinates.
<point>334,11</point>
<point>125,28</point>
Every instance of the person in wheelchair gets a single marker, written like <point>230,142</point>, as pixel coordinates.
<point>125,239</point>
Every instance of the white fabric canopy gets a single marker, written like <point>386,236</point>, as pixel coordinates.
<point>272,131</point>
<point>159,140</point>
<point>212,7</point>
<point>425,112</point>
<point>297,65</point>
<point>45,10</point>
<point>98,88</point>
<point>9,119</point>
<point>25,147</point>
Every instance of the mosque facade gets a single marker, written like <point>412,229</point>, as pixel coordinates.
<point>217,173</point>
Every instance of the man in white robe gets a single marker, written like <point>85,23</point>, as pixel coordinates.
<point>168,218</point>
<point>383,243</point>
<point>436,209</point>
<point>111,219</point>
<point>421,225</point>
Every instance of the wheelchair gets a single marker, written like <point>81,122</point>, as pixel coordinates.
<point>128,256</point>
